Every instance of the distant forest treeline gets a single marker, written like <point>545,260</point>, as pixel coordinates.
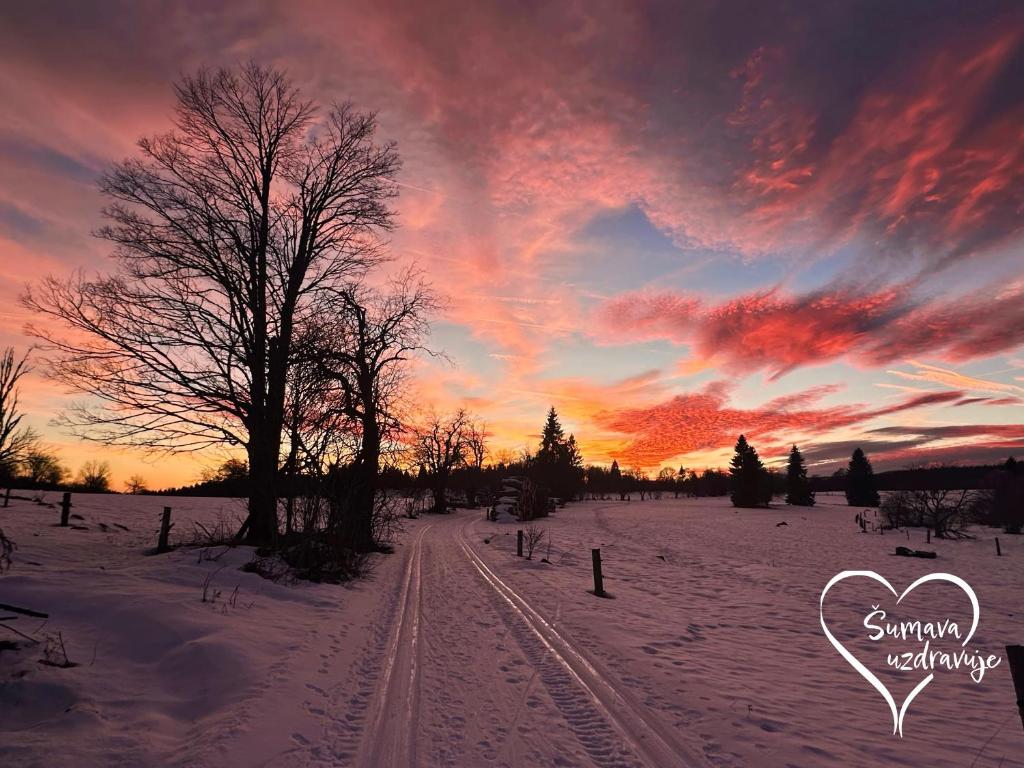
<point>941,478</point>
<point>233,481</point>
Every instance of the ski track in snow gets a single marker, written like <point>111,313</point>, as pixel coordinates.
<point>390,737</point>
<point>427,691</point>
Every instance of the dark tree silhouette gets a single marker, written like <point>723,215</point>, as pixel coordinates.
<point>552,437</point>
<point>352,395</point>
<point>1005,501</point>
<point>558,465</point>
<point>440,444</point>
<point>231,232</point>
<point>861,490</point>
<point>94,476</point>
<point>749,483</point>
<point>41,467</point>
<point>798,487</point>
<point>476,446</point>
<point>15,440</point>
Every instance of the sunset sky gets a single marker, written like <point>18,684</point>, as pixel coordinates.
<point>674,222</point>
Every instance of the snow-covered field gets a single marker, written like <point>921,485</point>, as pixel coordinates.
<point>456,653</point>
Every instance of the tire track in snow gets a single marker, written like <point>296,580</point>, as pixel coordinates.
<point>599,712</point>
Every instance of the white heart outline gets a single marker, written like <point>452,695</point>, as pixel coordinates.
<point>867,674</point>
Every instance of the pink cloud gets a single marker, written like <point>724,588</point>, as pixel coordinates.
<point>776,331</point>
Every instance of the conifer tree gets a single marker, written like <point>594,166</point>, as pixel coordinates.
<point>558,465</point>
<point>552,438</point>
<point>749,482</point>
<point>798,487</point>
<point>861,490</point>
<point>573,457</point>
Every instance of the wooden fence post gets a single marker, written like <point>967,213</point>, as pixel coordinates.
<point>1015,658</point>
<point>165,532</point>
<point>65,509</point>
<point>999,552</point>
<point>7,497</point>
<point>519,543</point>
<point>928,531</point>
<point>595,555</point>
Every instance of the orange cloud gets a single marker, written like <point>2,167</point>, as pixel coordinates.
<point>704,421</point>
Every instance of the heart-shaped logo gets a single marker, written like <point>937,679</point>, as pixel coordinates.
<point>867,674</point>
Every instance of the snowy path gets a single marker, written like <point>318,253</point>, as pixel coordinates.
<point>473,675</point>
<point>396,706</point>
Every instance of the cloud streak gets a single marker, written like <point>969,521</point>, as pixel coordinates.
<point>775,331</point>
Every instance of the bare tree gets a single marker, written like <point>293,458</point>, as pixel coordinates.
<point>476,452</point>
<point>440,444</point>
<point>94,476</point>
<point>476,444</point>
<point>135,485</point>
<point>946,512</point>
<point>534,535</point>
<point>43,467</point>
<point>15,440</point>
<point>231,232</point>
<point>356,361</point>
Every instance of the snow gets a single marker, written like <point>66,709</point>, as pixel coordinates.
<point>454,652</point>
<point>714,626</point>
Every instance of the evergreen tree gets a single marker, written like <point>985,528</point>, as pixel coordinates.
<point>1006,499</point>
<point>749,482</point>
<point>860,482</point>
<point>798,487</point>
<point>552,439</point>
<point>615,472</point>
<point>558,465</point>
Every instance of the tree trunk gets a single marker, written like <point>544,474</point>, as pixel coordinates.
<point>359,527</point>
<point>440,487</point>
<point>262,524</point>
<point>364,496</point>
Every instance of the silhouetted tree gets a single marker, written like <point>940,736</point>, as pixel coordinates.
<point>618,482</point>
<point>667,481</point>
<point>476,446</point>
<point>353,392</point>
<point>861,490</point>
<point>229,471</point>
<point>552,437</point>
<point>232,231</point>
<point>15,440</point>
<point>41,467</point>
<point>798,487</point>
<point>558,465</point>
<point>135,485</point>
<point>679,483</point>
<point>94,476</point>
<point>440,445</point>
<point>749,483</point>
<point>712,482</point>
<point>1004,502</point>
